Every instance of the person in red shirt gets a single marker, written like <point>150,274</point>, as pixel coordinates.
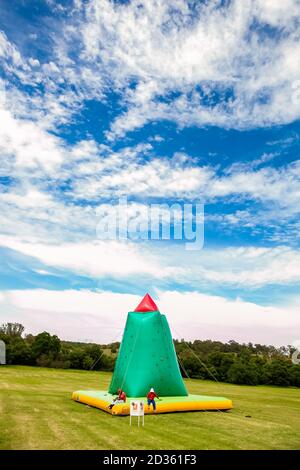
<point>151,399</point>
<point>121,398</point>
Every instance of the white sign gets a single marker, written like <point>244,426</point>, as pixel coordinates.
<point>137,409</point>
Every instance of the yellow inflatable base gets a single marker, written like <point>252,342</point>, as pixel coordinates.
<point>102,400</point>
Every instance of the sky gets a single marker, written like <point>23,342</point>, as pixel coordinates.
<point>161,102</point>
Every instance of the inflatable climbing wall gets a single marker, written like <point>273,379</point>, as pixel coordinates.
<point>147,356</point>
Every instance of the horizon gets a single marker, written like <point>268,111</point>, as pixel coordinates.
<point>25,334</point>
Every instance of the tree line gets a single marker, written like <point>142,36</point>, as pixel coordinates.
<point>249,364</point>
<point>48,350</point>
<point>244,364</point>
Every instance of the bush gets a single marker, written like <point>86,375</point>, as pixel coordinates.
<point>276,372</point>
<point>243,374</point>
<point>294,373</point>
<point>221,363</point>
<point>45,344</point>
<point>18,352</point>
<point>76,359</point>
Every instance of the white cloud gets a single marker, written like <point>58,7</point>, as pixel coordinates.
<point>279,185</point>
<point>102,173</point>
<point>77,315</point>
<point>242,267</point>
<point>33,213</point>
<point>55,89</point>
<point>276,13</point>
<point>41,164</point>
<point>167,47</point>
<point>187,56</point>
<point>161,176</point>
<point>32,199</point>
<point>10,51</point>
<point>248,266</point>
<point>94,259</point>
<point>101,316</point>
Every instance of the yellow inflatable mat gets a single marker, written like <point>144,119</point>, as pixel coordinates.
<point>102,400</point>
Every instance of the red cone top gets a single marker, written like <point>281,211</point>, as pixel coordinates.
<point>147,305</point>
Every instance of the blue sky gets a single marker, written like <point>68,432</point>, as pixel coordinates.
<point>158,101</point>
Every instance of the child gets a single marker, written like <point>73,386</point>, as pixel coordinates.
<point>151,399</point>
<point>121,398</point>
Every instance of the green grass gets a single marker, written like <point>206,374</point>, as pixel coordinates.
<point>36,412</point>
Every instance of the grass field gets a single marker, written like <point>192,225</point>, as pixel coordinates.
<point>36,412</point>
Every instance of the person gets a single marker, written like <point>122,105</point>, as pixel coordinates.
<point>151,399</point>
<point>121,398</point>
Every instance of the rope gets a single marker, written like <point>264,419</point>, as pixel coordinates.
<point>98,359</point>
<point>197,357</point>
<point>164,333</point>
<point>182,366</point>
<point>201,362</point>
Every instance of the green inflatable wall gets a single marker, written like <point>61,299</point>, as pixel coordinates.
<point>147,358</point>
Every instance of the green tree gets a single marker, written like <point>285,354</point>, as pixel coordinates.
<point>46,345</point>
<point>242,373</point>
<point>276,372</point>
<point>12,329</point>
<point>107,362</point>
<point>221,362</point>
<point>94,351</point>
<point>77,359</point>
<point>18,352</point>
<point>294,373</point>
